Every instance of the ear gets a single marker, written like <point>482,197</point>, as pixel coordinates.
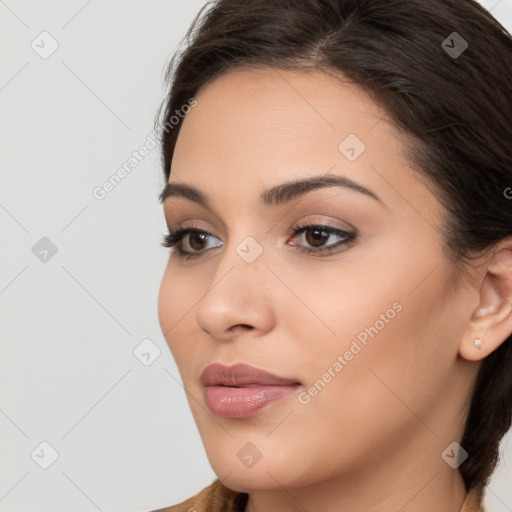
<point>491,321</point>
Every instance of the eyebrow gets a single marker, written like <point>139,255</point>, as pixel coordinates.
<point>274,196</point>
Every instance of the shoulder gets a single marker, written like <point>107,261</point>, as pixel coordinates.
<point>214,498</point>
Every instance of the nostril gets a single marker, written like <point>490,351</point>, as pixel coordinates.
<point>245,326</point>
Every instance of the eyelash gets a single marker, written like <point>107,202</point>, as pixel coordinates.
<point>173,237</point>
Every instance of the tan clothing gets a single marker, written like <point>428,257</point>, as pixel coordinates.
<point>233,501</point>
<point>473,502</point>
<point>210,498</point>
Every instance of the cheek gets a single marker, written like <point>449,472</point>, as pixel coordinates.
<point>373,403</point>
<point>407,362</point>
<point>175,304</point>
<point>394,331</point>
<point>166,305</point>
<point>178,298</point>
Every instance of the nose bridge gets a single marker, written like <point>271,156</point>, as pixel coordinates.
<point>237,293</point>
<point>244,246</point>
<point>243,262</point>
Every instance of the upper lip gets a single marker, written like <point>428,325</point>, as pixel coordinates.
<point>217,374</point>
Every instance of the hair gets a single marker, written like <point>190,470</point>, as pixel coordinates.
<point>456,110</point>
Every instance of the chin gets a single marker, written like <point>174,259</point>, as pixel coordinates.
<point>273,471</point>
<point>252,480</point>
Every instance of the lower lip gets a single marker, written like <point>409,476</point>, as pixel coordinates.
<point>244,401</point>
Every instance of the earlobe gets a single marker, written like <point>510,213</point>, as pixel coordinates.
<point>475,350</point>
<point>491,322</point>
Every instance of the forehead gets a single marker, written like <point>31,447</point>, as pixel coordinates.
<point>263,113</point>
<point>274,103</point>
<point>253,128</point>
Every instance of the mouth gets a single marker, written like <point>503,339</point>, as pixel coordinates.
<point>241,390</point>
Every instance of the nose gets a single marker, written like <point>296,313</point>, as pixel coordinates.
<point>238,298</point>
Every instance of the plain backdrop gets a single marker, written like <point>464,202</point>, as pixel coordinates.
<point>92,412</point>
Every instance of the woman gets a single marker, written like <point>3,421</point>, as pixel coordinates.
<point>338,296</point>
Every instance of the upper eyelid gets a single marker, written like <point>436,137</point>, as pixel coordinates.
<point>324,223</point>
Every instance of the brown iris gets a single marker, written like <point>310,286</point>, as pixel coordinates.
<point>197,237</point>
<point>318,237</point>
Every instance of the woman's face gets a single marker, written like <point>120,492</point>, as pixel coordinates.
<point>366,322</point>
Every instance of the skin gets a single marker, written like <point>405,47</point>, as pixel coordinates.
<point>372,439</point>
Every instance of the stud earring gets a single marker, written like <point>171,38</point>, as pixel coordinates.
<point>478,344</point>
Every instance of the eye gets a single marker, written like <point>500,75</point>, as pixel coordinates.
<point>317,235</point>
<point>195,241</point>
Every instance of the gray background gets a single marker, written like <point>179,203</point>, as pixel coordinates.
<point>71,319</point>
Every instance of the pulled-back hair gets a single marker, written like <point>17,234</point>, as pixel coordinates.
<point>456,108</point>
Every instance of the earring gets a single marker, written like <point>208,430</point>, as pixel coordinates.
<point>478,343</point>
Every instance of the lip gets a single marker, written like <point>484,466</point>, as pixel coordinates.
<point>241,390</point>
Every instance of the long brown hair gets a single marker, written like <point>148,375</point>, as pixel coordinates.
<point>456,106</point>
